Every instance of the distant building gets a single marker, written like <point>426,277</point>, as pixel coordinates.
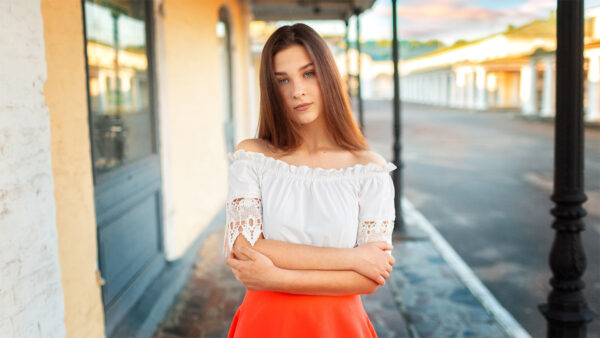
<point>513,70</point>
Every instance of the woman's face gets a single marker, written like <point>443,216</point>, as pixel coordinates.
<point>298,84</point>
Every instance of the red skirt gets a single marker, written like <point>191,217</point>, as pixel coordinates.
<point>276,314</point>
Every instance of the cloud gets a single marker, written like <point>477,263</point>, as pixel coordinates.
<point>536,6</point>
<point>430,11</point>
<point>449,20</point>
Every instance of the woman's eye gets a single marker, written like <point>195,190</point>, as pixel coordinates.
<point>309,74</point>
<point>282,81</point>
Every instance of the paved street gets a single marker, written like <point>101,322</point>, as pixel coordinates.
<point>423,298</point>
<point>484,180</point>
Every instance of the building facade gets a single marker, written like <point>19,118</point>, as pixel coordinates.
<point>116,117</point>
<point>514,70</point>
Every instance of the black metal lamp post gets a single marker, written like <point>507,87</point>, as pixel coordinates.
<point>348,76</point>
<point>566,310</point>
<point>359,93</point>
<point>397,147</point>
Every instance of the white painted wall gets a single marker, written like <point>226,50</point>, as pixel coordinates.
<point>31,296</point>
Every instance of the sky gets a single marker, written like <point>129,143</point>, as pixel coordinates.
<point>445,20</point>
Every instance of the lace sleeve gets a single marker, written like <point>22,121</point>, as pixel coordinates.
<point>243,216</point>
<point>376,210</point>
<point>243,208</point>
<point>375,230</point>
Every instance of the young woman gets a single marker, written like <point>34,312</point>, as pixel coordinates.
<point>310,209</point>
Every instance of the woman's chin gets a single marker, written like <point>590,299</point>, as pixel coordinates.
<point>306,118</point>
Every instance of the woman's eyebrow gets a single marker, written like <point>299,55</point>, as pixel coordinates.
<point>306,66</point>
<point>299,69</point>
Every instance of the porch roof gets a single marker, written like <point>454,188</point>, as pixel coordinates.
<point>270,10</point>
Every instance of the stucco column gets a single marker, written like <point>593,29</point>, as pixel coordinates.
<point>430,89</point>
<point>444,92</point>
<point>441,81</point>
<point>433,89</point>
<point>422,88</point>
<point>470,88</point>
<point>481,97</point>
<point>425,88</point>
<point>453,89</point>
<point>548,87</point>
<point>32,302</point>
<point>592,113</point>
<point>415,86</point>
<point>514,89</point>
<point>435,78</point>
<point>462,88</point>
<point>529,88</point>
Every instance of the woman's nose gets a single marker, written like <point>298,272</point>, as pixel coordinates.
<point>299,91</point>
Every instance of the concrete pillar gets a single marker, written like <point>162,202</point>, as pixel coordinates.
<point>444,89</point>
<point>32,302</point>
<point>453,89</point>
<point>410,88</point>
<point>425,89</point>
<point>430,88</point>
<point>592,113</point>
<point>422,88</point>
<point>470,88</point>
<point>529,88</point>
<point>416,88</point>
<point>434,88</point>
<point>480,87</point>
<point>438,87</point>
<point>494,85</point>
<point>440,79</point>
<point>415,82</point>
<point>436,92</point>
<point>514,85</point>
<point>548,88</point>
<point>435,77</point>
<point>461,82</point>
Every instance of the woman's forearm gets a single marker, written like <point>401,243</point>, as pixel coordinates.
<point>323,283</point>
<point>293,256</point>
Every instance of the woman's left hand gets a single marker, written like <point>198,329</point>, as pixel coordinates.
<point>257,273</point>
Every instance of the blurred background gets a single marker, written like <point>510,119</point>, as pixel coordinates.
<point>118,117</point>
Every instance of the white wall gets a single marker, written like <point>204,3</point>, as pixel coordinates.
<point>31,297</point>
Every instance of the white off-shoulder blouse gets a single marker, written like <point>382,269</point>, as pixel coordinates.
<point>339,208</point>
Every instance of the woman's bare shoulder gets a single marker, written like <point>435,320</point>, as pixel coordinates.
<point>255,145</point>
<point>370,156</point>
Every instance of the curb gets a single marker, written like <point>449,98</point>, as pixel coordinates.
<point>552,120</point>
<point>504,319</point>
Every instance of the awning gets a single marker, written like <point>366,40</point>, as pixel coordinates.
<point>271,10</point>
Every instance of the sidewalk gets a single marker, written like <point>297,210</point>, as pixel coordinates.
<point>430,294</point>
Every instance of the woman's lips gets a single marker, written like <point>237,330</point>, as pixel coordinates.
<point>303,107</point>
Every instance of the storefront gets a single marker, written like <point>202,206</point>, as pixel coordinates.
<point>118,116</point>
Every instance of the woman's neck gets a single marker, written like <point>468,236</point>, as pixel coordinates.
<point>316,138</point>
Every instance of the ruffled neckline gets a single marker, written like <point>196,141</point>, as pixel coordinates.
<point>304,170</point>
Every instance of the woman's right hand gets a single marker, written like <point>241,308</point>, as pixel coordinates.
<point>371,261</point>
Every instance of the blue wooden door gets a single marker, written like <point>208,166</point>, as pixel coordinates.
<point>126,163</point>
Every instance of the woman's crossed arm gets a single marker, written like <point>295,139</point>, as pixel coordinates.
<point>304,269</point>
<point>369,259</point>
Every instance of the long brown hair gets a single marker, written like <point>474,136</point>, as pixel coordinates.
<point>276,124</point>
